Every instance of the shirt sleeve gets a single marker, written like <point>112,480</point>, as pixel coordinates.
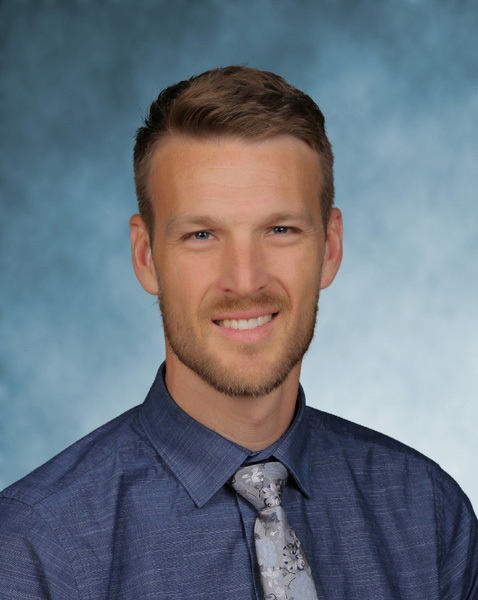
<point>33,564</point>
<point>458,542</point>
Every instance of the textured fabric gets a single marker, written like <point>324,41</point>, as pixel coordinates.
<point>141,509</point>
<point>285,571</point>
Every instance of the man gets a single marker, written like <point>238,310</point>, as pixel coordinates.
<point>223,484</point>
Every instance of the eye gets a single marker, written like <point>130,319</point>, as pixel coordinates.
<point>281,229</point>
<point>201,235</point>
<point>284,234</point>
<point>198,239</point>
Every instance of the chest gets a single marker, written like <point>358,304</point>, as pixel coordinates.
<point>160,545</point>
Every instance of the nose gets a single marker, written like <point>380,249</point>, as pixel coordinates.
<point>243,269</point>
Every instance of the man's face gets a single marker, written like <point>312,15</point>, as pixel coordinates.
<point>237,251</point>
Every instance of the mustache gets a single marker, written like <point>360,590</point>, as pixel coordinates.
<point>233,303</point>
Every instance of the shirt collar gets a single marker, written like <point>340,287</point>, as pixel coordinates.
<point>203,460</point>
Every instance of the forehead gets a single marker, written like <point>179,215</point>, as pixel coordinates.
<point>222,172</point>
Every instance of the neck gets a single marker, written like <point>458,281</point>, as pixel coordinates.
<point>254,423</point>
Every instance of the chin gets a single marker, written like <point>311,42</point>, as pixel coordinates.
<point>244,377</point>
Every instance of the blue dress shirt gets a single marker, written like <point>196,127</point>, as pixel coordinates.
<point>141,509</point>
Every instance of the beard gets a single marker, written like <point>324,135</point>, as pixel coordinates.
<point>186,343</point>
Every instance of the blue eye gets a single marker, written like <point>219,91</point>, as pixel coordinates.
<point>281,229</point>
<point>201,235</point>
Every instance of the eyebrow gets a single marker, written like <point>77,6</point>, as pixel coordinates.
<point>201,220</point>
<point>302,216</point>
<point>209,222</point>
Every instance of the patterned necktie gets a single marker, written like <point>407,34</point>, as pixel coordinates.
<point>285,572</point>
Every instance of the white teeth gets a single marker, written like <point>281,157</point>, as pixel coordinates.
<point>244,323</point>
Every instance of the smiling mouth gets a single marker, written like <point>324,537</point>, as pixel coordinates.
<point>246,323</point>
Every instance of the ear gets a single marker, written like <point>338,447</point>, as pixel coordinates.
<point>142,255</point>
<point>333,249</point>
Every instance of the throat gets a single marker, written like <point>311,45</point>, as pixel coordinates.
<point>251,422</point>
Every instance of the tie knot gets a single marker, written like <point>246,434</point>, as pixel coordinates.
<point>261,484</point>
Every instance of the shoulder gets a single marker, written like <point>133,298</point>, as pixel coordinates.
<point>398,488</point>
<point>34,556</point>
<point>358,439</point>
<point>43,514</point>
<point>376,456</point>
<point>49,517</point>
<point>88,458</point>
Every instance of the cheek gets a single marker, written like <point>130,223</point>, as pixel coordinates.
<point>185,281</point>
<point>307,287</point>
<point>299,273</point>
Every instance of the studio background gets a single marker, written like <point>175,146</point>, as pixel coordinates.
<point>396,343</point>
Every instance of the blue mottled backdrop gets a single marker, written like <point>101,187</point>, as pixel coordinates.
<point>396,347</point>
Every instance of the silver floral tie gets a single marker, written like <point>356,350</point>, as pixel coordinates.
<point>285,572</point>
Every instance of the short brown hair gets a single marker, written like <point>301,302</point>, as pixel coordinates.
<point>238,102</point>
